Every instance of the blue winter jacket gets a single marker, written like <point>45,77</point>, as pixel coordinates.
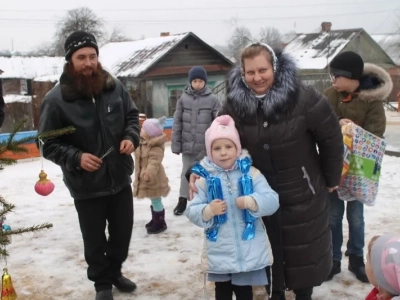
<point>231,254</point>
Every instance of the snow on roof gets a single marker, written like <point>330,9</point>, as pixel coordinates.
<point>10,98</point>
<point>288,37</point>
<point>30,67</point>
<point>131,59</point>
<point>310,50</point>
<point>390,43</point>
<point>51,78</point>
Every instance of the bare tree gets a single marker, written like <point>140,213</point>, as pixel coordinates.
<point>44,49</point>
<point>82,18</point>
<point>240,37</point>
<point>118,35</point>
<point>271,36</point>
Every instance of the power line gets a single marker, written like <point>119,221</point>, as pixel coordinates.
<point>206,8</point>
<point>385,19</point>
<point>39,21</point>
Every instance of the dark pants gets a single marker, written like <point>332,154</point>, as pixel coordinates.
<point>273,226</point>
<point>303,294</point>
<point>224,291</point>
<point>355,218</point>
<point>105,257</point>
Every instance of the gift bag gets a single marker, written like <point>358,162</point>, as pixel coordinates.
<point>363,154</point>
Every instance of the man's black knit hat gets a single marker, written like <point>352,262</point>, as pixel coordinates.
<point>78,40</point>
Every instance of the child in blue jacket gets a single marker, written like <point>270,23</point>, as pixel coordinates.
<point>234,259</point>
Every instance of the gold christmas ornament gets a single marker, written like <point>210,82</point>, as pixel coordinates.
<point>7,289</point>
<point>44,186</point>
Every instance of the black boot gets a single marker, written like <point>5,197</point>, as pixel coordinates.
<point>335,270</point>
<point>277,295</point>
<point>303,294</point>
<point>181,207</point>
<point>104,295</point>
<point>148,225</point>
<point>124,285</point>
<point>357,267</point>
<point>159,224</point>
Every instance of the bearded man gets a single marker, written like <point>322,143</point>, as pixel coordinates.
<point>105,117</point>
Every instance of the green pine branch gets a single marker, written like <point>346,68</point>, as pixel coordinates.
<point>6,162</point>
<point>56,133</point>
<point>17,146</point>
<point>7,207</point>
<point>3,253</point>
<point>20,231</point>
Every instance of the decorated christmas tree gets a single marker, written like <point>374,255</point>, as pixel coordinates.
<point>42,187</point>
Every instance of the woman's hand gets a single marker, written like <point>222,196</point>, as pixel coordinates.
<point>192,185</point>
<point>331,189</point>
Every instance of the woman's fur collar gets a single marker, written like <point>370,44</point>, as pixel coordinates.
<point>279,100</point>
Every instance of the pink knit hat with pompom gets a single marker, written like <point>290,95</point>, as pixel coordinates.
<point>223,127</point>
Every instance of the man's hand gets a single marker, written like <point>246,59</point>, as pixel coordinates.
<point>90,162</point>
<point>331,189</point>
<point>192,185</point>
<point>218,207</point>
<point>343,122</point>
<point>240,202</point>
<point>126,147</point>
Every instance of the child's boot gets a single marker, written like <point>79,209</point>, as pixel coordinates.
<point>148,225</point>
<point>158,224</point>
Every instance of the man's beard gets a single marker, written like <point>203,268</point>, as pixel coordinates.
<point>88,85</point>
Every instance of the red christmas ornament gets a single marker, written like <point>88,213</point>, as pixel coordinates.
<point>44,186</point>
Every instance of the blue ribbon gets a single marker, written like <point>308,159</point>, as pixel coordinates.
<point>246,188</point>
<point>214,191</point>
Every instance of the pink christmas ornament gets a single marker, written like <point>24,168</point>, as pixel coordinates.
<point>44,186</point>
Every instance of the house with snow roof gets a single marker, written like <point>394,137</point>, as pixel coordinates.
<point>390,43</point>
<point>155,70</point>
<point>19,93</point>
<point>314,51</point>
<point>18,72</point>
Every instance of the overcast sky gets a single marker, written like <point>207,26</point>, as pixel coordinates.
<point>25,24</point>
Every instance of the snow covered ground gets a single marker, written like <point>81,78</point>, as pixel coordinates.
<point>50,265</point>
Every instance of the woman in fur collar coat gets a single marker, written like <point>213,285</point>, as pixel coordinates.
<point>151,180</point>
<point>281,122</point>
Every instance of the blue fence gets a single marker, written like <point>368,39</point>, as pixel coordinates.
<point>23,134</point>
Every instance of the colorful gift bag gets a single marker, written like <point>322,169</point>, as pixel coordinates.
<point>363,154</point>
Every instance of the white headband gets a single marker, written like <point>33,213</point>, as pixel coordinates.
<point>270,50</point>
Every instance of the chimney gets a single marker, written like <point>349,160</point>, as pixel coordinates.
<point>164,34</point>
<point>326,26</point>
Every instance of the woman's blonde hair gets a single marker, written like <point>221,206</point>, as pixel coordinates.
<point>253,51</point>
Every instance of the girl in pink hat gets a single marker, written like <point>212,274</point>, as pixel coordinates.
<point>151,180</point>
<point>237,248</point>
<point>383,267</point>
